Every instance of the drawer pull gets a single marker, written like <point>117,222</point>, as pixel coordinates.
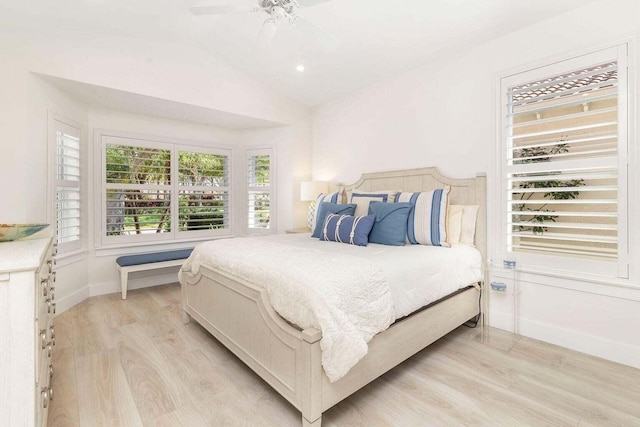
<point>45,286</point>
<point>50,392</point>
<point>50,265</point>
<point>51,371</point>
<point>54,276</point>
<point>49,349</point>
<point>54,308</point>
<point>52,335</point>
<point>48,301</point>
<point>45,397</point>
<point>52,291</point>
<point>43,338</point>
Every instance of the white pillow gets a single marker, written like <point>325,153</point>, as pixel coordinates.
<point>468,229</point>
<point>362,198</point>
<point>454,223</point>
<point>461,223</point>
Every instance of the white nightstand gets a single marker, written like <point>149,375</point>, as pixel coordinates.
<point>504,290</point>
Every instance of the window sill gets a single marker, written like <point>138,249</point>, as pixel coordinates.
<point>141,247</point>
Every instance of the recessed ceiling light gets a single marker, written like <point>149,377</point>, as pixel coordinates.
<point>300,68</point>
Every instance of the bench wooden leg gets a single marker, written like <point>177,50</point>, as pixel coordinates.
<point>124,275</point>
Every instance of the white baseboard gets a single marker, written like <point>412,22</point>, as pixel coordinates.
<point>139,283</point>
<point>578,341</point>
<point>66,302</point>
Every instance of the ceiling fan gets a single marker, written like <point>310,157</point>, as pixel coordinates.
<point>278,11</point>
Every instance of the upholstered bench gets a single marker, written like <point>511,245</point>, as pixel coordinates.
<point>149,261</point>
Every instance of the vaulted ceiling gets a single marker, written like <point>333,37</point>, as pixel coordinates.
<point>378,38</point>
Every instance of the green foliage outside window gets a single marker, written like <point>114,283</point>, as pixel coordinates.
<point>539,216</point>
<point>138,210</point>
<point>259,201</point>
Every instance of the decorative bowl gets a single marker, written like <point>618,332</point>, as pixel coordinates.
<point>9,232</point>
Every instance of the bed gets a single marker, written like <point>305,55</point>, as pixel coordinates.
<point>239,314</point>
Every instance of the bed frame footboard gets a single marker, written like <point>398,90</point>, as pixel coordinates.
<point>239,315</point>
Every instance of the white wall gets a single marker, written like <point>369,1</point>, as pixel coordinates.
<point>444,114</point>
<point>165,71</point>
<point>35,164</point>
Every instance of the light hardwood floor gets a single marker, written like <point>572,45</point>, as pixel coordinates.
<point>133,363</point>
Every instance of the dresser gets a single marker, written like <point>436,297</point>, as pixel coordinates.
<point>27,335</point>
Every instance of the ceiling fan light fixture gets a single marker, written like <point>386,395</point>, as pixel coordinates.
<point>277,11</point>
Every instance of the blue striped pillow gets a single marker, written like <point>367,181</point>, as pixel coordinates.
<point>338,197</point>
<point>327,208</point>
<point>363,198</point>
<point>428,219</point>
<point>353,230</point>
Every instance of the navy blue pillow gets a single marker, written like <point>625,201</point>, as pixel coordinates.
<point>353,230</point>
<point>390,226</point>
<point>327,208</point>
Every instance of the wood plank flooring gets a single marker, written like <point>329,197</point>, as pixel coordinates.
<point>133,363</point>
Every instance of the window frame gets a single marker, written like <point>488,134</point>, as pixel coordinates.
<point>102,138</point>
<point>249,152</point>
<point>571,266</point>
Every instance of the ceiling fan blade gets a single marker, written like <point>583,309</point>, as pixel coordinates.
<point>217,9</point>
<point>308,3</point>
<point>267,33</point>
<point>323,38</point>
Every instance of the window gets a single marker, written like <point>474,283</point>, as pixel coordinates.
<point>564,164</point>
<point>163,191</point>
<point>67,185</point>
<point>204,191</point>
<point>260,199</point>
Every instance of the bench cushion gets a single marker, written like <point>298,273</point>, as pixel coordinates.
<point>139,259</point>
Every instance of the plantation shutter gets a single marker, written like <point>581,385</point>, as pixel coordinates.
<point>137,189</point>
<point>259,194</point>
<point>68,173</point>
<point>564,136</point>
<point>203,195</point>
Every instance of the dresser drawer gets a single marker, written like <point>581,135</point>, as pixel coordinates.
<point>27,277</point>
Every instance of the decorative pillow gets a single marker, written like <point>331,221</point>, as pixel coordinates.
<point>427,222</point>
<point>338,197</point>
<point>468,229</point>
<point>327,208</point>
<point>390,226</point>
<point>363,198</point>
<point>454,223</point>
<point>353,230</point>
<point>461,224</point>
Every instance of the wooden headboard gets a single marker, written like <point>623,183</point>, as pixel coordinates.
<point>470,191</point>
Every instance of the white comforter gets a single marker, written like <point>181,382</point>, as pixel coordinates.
<point>346,297</point>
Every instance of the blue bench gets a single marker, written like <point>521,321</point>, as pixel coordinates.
<point>149,261</point>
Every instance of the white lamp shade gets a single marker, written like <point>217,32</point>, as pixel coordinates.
<point>309,190</point>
